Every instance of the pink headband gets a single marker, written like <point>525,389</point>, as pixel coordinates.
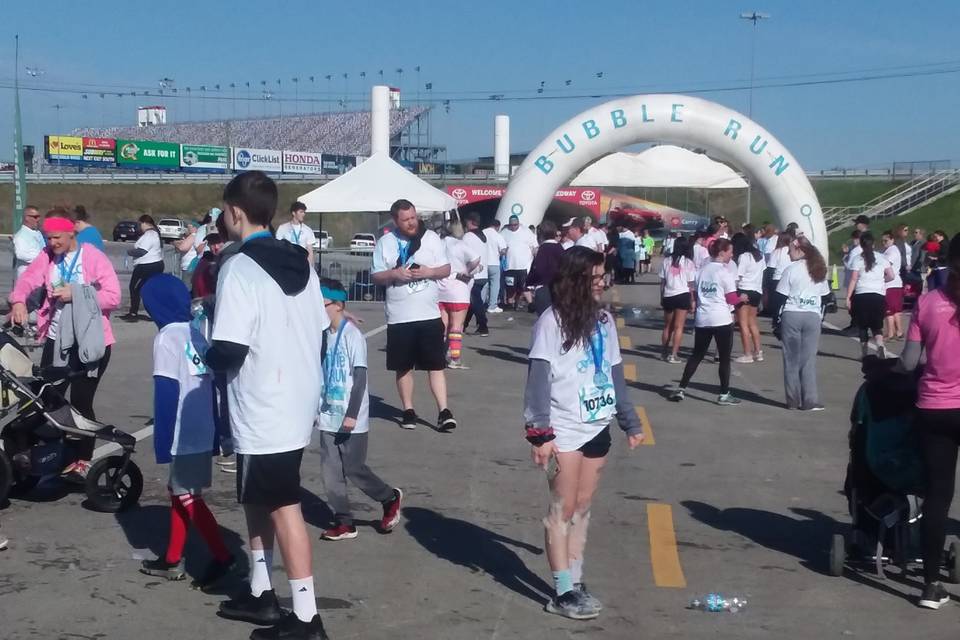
<point>58,225</point>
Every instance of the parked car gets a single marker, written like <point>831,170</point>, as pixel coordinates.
<point>321,240</point>
<point>363,243</point>
<point>126,230</point>
<point>172,229</point>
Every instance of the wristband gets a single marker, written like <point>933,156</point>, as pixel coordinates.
<point>540,435</point>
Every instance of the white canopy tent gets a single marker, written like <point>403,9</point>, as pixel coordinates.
<point>660,166</point>
<point>374,185</point>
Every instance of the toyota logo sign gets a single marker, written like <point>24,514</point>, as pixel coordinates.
<point>459,194</point>
<point>588,195</point>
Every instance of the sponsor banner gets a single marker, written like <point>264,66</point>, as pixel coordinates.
<point>99,150</point>
<point>268,160</point>
<point>302,162</point>
<point>148,154</point>
<point>588,198</point>
<point>334,164</point>
<point>204,157</point>
<point>69,148</point>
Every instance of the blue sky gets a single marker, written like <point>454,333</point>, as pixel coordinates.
<point>471,49</point>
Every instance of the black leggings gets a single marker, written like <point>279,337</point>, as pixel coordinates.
<point>141,273</point>
<point>940,432</point>
<point>478,307</point>
<point>82,390</point>
<point>701,342</point>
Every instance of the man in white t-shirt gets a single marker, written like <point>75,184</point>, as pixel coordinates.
<point>592,238</point>
<point>496,254</point>
<point>476,240</point>
<point>268,322</point>
<point>521,247</point>
<point>28,241</point>
<point>409,262</point>
<point>296,232</point>
<point>572,230</point>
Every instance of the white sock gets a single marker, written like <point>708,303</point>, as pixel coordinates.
<point>304,602</point>
<point>576,570</point>
<point>261,562</point>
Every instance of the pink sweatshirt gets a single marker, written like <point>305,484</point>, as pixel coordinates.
<point>97,271</point>
<point>934,324</point>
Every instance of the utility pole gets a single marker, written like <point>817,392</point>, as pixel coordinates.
<point>755,17</point>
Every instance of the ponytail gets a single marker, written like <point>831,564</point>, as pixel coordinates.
<point>866,243</point>
<point>816,265</point>
<point>680,250</point>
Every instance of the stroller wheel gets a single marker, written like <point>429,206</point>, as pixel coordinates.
<point>111,487</point>
<point>953,562</point>
<point>838,554</point>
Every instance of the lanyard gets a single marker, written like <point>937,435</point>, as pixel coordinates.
<point>66,275</point>
<point>403,249</point>
<point>596,350</point>
<point>296,234</point>
<point>331,360</point>
<point>258,234</point>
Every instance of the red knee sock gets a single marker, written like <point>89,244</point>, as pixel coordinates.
<point>178,530</point>
<point>455,344</point>
<point>206,524</point>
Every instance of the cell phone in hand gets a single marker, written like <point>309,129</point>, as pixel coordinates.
<point>413,266</point>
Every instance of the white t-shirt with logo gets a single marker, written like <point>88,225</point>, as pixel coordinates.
<point>453,289</point>
<point>599,238</point>
<point>893,256</point>
<point>341,360</point>
<point>676,280</point>
<point>173,351</point>
<point>61,275</point>
<point>592,240</point>
<point>411,301</point>
<point>803,294</point>
<point>521,245</point>
<point>149,242</point>
<point>781,260</point>
<point>298,234</point>
<point>495,244</point>
<point>274,396</point>
<point>579,407</point>
<point>714,282</point>
<point>701,256</point>
<point>750,273</point>
<point>479,248</point>
<point>871,281</point>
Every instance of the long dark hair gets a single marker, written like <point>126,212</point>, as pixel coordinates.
<point>681,247</point>
<point>816,265</point>
<point>743,243</point>
<point>866,243</point>
<point>719,246</point>
<point>572,295</point>
<point>952,290</point>
<point>785,238</point>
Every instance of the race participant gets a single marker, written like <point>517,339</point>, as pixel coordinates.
<point>573,230</point>
<point>496,251</point>
<point>476,242</point>
<point>28,241</point>
<point>268,322</point>
<point>296,232</point>
<point>869,273</point>
<point>678,277</point>
<point>544,267</point>
<point>803,285</point>
<point>701,255</point>
<point>592,238</point>
<point>68,271</point>
<point>716,294</point>
<point>147,256</point>
<point>750,266</point>
<point>649,244</point>
<point>781,260</point>
<point>575,386</point>
<point>410,262</point>
<point>521,247</point>
<point>184,431</point>
<point>893,290</point>
<point>204,280</point>
<point>86,232</point>
<point>344,421</point>
<point>455,293</point>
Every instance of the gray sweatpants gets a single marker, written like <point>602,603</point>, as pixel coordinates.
<point>343,457</point>
<point>800,335</point>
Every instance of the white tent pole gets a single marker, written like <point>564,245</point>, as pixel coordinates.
<point>380,120</point>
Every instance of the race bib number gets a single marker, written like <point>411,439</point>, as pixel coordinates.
<point>195,364</point>
<point>597,402</point>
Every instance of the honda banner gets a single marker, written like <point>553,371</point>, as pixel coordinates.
<point>302,162</point>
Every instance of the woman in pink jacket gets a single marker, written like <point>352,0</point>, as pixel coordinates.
<point>63,263</point>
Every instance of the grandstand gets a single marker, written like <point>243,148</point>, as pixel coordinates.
<point>342,133</point>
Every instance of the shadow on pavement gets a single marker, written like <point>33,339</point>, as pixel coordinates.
<point>477,549</point>
<point>316,512</point>
<point>523,351</point>
<point>739,392</point>
<point>506,356</point>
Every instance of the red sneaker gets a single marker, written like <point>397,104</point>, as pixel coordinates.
<point>339,532</point>
<point>391,512</point>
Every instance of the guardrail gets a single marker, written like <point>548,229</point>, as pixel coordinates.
<point>897,201</point>
<point>353,270</point>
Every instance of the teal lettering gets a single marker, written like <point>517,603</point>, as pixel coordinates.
<point>544,164</point>
<point>566,148</point>
<point>732,128</point>
<point>591,129</point>
<point>643,114</point>
<point>755,148</point>
<point>675,113</point>
<point>618,117</point>
<point>780,163</point>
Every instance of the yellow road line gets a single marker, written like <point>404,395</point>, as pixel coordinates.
<point>629,372</point>
<point>648,438</point>
<point>663,547</point>
<point>625,343</point>
<point>621,323</point>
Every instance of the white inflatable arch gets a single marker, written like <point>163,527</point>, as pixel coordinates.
<point>674,119</point>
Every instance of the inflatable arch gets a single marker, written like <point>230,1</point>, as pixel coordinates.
<point>674,119</point>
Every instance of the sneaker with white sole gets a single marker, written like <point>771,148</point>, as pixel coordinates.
<point>677,394</point>
<point>934,596</point>
<point>340,532</point>
<point>588,598</point>
<point>495,310</point>
<point>758,357</point>
<point>409,419</point>
<point>745,359</point>
<point>571,605</point>
<point>672,359</point>
<point>727,400</point>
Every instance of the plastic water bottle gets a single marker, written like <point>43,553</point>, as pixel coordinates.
<point>717,603</point>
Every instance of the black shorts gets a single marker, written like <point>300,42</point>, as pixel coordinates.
<point>416,345</point>
<point>599,446</point>
<point>519,278</point>
<point>269,480</point>
<point>680,302</point>
<point>868,311</point>
<point>753,297</point>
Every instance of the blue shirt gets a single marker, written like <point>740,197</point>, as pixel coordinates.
<point>90,235</point>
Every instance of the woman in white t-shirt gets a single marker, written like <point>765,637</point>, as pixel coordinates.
<point>716,294</point>
<point>750,267</point>
<point>869,273</point>
<point>455,295</point>
<point>803,285</point>
<point>779,260</point>
<point>147,256</point>
<point>575,386</point>
<point>893,292</point>
<point>677,277</point>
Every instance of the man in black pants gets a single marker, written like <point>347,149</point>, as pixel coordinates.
<point>477,241</point>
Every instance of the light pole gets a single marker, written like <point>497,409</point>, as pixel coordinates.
<point>755,17</point>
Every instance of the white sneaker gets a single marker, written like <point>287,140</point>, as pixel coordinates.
<point>495,310</point>
<point>745,359</point>
<point>758,357</point>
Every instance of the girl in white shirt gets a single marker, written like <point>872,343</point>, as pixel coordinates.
<point>893,292</point>
<point>779,260</point>
<point>147,256</point>
<point>750,267</point>
<point>716,294</point>
<point>869,273</point>
<point>677,277</point>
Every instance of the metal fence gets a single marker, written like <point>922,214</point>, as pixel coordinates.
<point>353,270</point>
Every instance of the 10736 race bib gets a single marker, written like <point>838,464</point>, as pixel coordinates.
<point>597,402</point>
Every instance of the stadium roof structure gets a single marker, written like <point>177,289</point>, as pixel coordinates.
<point>341,133</point>
<point>660,166</point>
<point>374,185</point>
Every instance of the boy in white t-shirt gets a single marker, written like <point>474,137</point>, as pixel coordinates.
<point>344,421</point>
<point>295,232</point>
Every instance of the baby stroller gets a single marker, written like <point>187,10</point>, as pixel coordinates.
<point>38,431</point>
<point>884,483</point>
